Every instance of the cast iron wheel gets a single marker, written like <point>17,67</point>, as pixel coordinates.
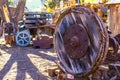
<point>23,38</point>
<point>81,41</point>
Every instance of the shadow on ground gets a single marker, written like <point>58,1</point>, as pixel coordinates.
<point>24,64</point>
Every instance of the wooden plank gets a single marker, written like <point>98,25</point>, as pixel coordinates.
<point>30,21</point>
<point>4,11</point>
<point>29,16</point>
<point>36,13</point>
<point>41,26</point>
<point>114,20</point>
<point>118,19</point>
<point>12,11</point>
<point>38,17</point>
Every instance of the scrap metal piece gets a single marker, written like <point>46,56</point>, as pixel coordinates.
<point>9,28</point>
<point>114,44</point>
<point>44,42</point>
<point>117,37</point>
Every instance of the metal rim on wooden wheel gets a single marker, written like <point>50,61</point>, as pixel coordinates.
<point>23,38</point>
<point>80,41</point>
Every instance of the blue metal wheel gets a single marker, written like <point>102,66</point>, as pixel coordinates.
<point>23,38</point>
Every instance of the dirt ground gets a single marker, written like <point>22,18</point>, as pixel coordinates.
<point>25,63</point>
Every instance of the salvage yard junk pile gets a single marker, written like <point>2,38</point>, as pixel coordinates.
<point>23,27</point>
<point>85,47</point>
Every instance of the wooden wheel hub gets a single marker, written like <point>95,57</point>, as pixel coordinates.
<point>76,41</point>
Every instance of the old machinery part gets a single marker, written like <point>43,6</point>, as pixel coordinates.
<point>81,41</point>
<point>114,44</point>
<point>117,37</point>
<point>114,71</point>
<point>9,28</point>
<point>44,42</point>
<point>9,32</point>
<point>44,38</point>
<point>23,38</point>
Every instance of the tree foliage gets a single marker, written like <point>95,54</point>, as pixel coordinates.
<point>11,2</point>
<point>50,4</point>
<point>53,3</point>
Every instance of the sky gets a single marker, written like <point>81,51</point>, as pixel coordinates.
<point>34,5</point>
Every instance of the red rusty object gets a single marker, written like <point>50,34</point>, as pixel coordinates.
<point>43,42</point>
<point>76,41</point>
<point>10,39</point>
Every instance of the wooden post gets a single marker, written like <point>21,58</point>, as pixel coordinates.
<point>20,10</point>
<point>114,19</point>
<point>118,21</point>
<point>19,13</point>
<point>4,11</point>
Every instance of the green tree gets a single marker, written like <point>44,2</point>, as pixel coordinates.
<point>50,4</point>
<point>11,2</point>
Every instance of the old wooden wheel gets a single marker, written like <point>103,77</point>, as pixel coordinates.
<point>81,41</point>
